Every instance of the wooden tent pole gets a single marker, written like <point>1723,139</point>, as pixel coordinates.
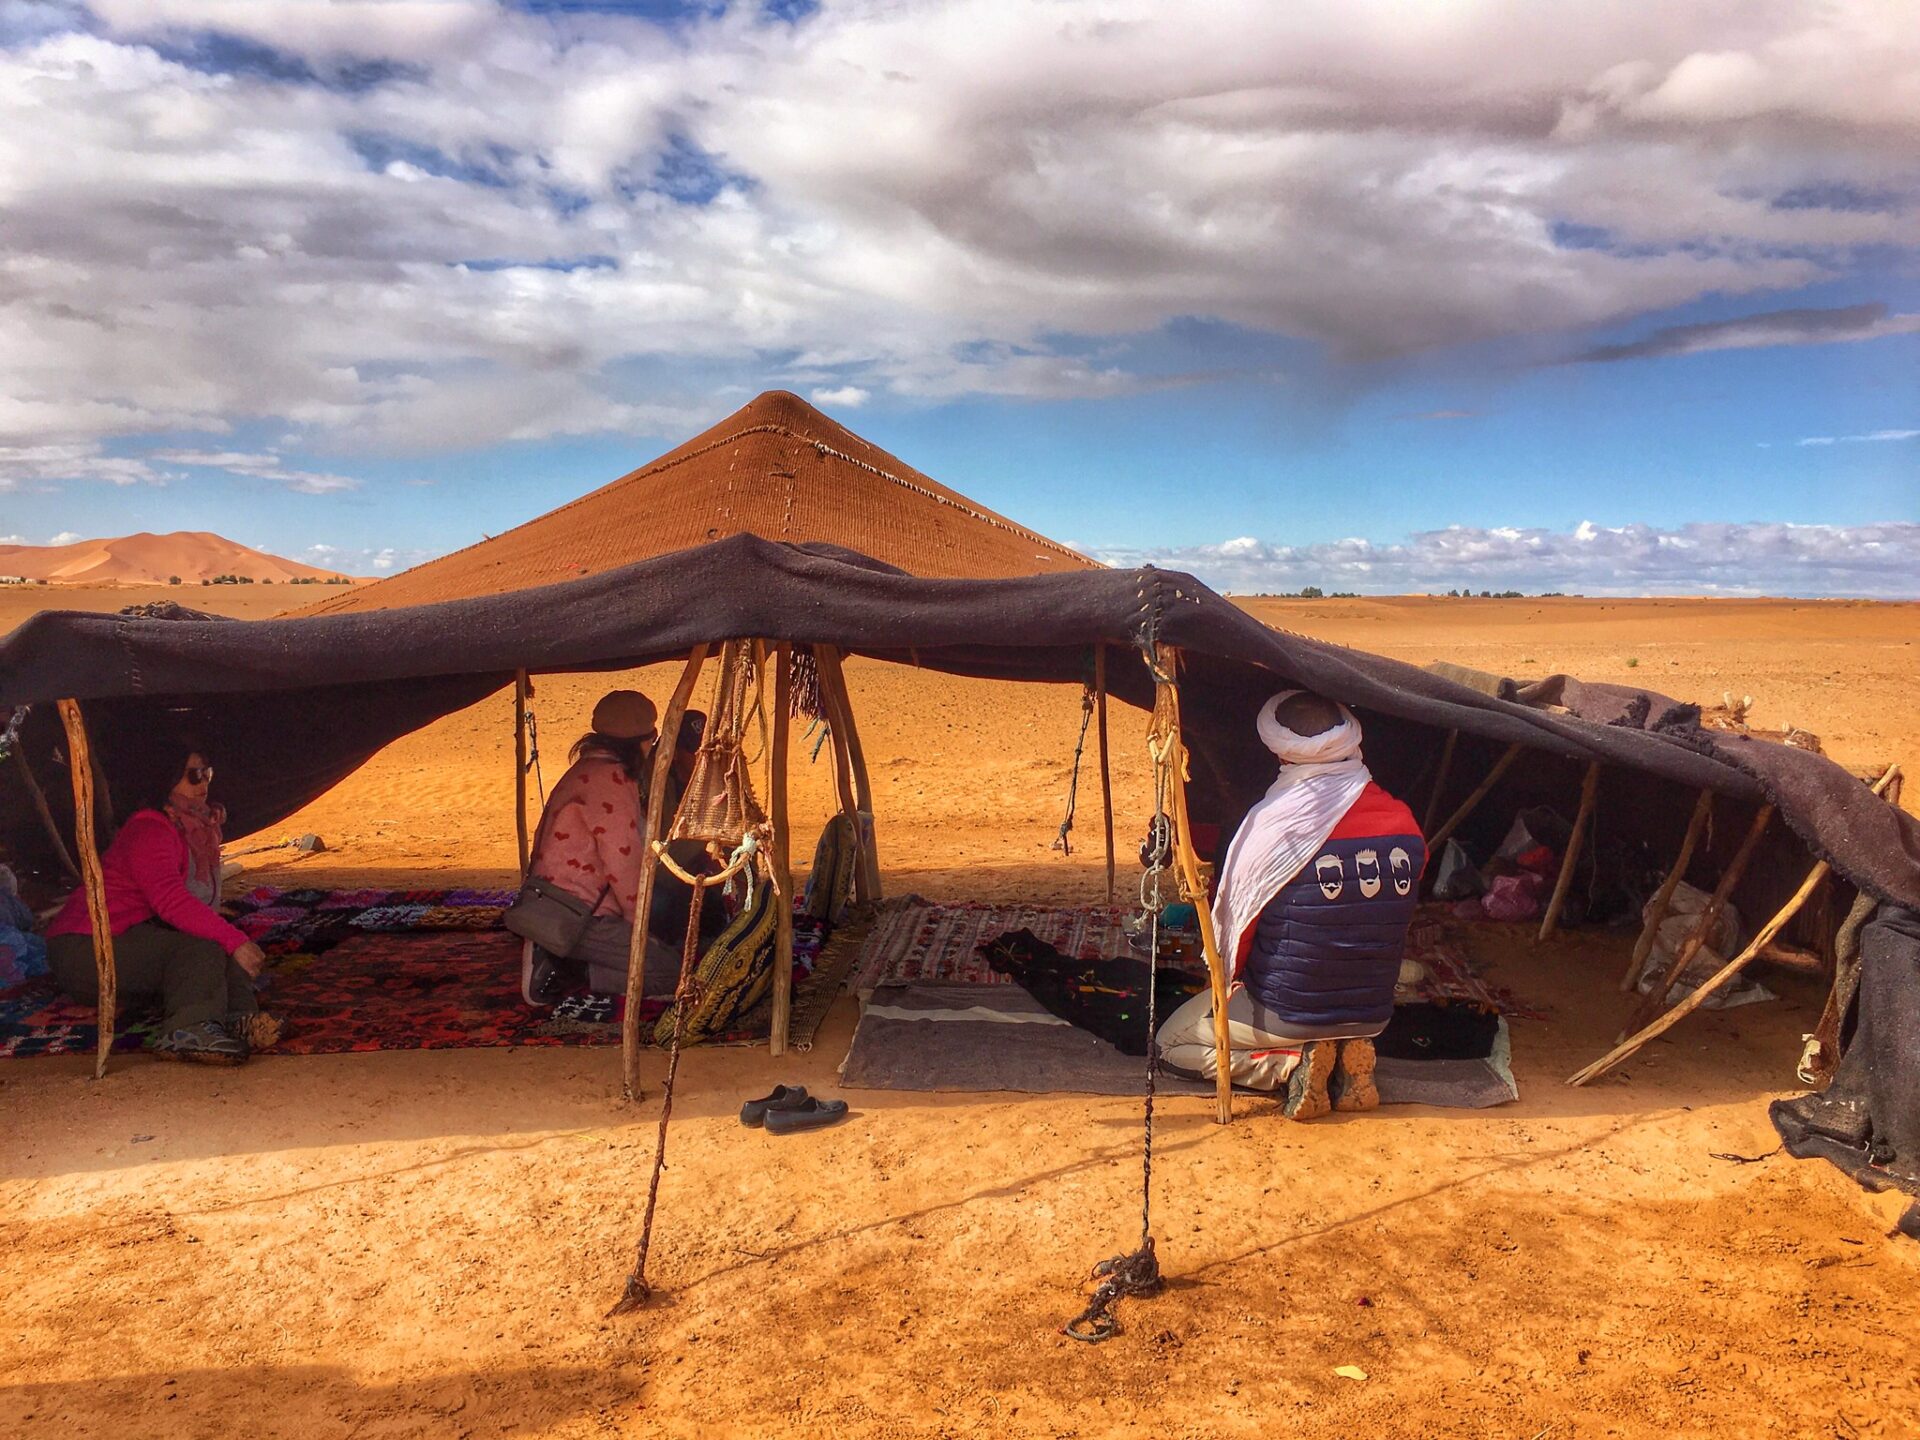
<point>782,857</point>
<point>1656,998</point>
<point>1189,863</point>
<point>1468,805</point>
<point>41,808</point>
<point>1106,773</point>
<point>1721,976</point>
<point>1663,897</point>
<point>1439,781</point>
<point>1564,881</point>
<point>657,826</point>
<point>80,765</point>
<point>833,695</point>
<point>520,690</point>
<point>862,783</point>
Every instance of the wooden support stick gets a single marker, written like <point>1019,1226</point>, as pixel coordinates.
<point>1189,863</point>
<point>781,860</point>
<point>1106,774</point>
<point>1440,781</point>
<point>1721,976</point>
<point>1582,818</point>
<point>41,808</point>
<point>658,825</point>
<point>80,766</point>
<point>1656,998</point>
<point>862,783</point>
<point>1663,897</point>
<point>520,766</point>
<point>833,697</point>
<point>1468,805</point>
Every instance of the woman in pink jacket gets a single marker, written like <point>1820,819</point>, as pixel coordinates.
<point>162,875</point>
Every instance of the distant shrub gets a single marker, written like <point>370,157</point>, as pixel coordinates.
<point>173,579</point>
<point>1632,662</point>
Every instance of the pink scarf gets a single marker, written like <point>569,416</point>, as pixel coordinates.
<point>201,824</point>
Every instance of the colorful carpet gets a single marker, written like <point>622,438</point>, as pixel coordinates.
<point>1438,942</point>
<point>408,970</point>
<point>914,942</point>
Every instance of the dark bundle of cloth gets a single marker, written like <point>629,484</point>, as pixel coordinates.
<point>1867,1121</point>
<point>1105,997</point>
<point>1425,1031</point>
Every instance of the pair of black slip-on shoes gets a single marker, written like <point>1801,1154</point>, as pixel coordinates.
<point>790,1109</point>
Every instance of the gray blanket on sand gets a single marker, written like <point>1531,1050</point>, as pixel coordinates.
<point>998,1037</point>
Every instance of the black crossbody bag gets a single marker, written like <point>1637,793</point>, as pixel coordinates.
<point>552,918</point>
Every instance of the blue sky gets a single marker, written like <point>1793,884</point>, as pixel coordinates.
<point>1627,304</point>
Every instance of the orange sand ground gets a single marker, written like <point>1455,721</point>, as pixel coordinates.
<point>424,1244</point>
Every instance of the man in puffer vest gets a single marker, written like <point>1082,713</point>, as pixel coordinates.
<point>1311,910</point>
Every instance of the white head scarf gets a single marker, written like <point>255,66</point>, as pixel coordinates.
<point>1336,742</point>
<point>1320,778</point>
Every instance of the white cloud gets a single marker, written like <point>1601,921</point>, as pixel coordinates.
<point>1871,437</point>
<point>1722,559</point>
<point>49,465</point>
<point>510,231</point>
<point>847,397</point>
<point>259,467</point>
<point>67,537</point>
<point>14,540</point>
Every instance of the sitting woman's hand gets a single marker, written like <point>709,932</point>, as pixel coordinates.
<point>250,958</point>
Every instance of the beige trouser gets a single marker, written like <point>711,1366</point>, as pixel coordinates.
<point>1261,1055</point>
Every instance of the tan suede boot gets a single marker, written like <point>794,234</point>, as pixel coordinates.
<point>1352,1087</point>
<point>1307,1085</point>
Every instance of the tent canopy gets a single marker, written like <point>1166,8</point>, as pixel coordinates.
<point>297,703</point>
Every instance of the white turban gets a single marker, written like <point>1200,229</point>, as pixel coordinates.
<point>1337,742</point>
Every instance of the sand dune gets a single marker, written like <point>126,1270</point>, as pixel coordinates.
<point>148,559</point>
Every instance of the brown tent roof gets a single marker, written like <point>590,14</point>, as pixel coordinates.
<point>776,468</point>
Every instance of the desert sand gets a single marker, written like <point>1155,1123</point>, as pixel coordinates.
<point>426,1244</point>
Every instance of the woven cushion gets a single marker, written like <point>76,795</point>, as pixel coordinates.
<point>733,975</point>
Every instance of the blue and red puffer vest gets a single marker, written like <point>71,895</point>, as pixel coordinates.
<point>1326,950</point>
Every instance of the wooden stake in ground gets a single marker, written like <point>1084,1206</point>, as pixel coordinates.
<point>1167,728</point>
<point>1663,897</point>
<point>1656,998</point>
<point>1721,976</point>
<point>1439,783</point>
<point>1582,819</point>
<point>80,766</point>
<point>780,862</point>
<point>41,808</point>
<point>1106,775</point>
<point>520,766</point>
<point>658,824</point>
<point>1480,792</point>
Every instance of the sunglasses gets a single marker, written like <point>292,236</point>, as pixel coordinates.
<point>199,774</point>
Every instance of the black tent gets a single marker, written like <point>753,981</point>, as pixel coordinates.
<point>296,704</point>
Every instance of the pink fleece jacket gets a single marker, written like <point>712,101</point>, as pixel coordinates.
<point>145,869</point>
<point>590,837</point>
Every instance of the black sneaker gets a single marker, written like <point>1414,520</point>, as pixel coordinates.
<point>207,1043</point>
<point>545,979</point>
